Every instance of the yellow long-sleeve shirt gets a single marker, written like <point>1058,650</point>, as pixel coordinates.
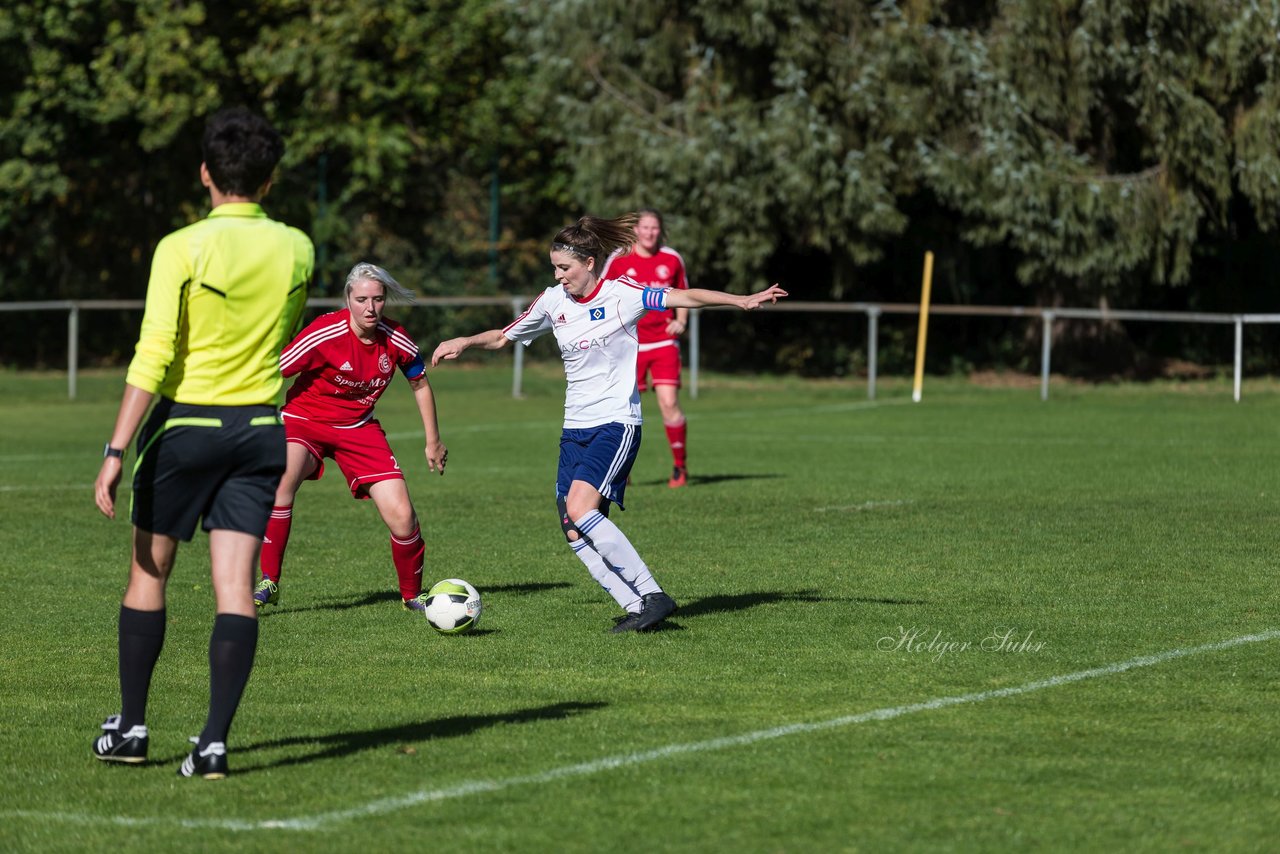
<point>226,295</point>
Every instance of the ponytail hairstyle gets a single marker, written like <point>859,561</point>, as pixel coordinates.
<point>366,272</point>
<point>592,237</point>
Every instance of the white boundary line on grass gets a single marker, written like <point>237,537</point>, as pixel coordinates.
<point>866,505</point>
<point>319,821</point>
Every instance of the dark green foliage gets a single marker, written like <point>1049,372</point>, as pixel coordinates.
<point>1097,143</point>
<point>397,117</point>
<point>1067,152</point>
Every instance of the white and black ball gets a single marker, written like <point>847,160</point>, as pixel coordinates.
<point>453,606</point>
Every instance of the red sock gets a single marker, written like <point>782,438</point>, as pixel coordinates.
<point>407,555</point>
<point>273,544</point>
<point>676,436</point>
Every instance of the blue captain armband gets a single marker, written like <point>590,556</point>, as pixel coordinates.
<point>415,369</point>
<point>655,299</point>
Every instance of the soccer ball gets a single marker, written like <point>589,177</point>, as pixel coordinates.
<point>453,606</point>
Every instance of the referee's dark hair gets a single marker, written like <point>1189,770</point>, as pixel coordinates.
<point>241,150</point>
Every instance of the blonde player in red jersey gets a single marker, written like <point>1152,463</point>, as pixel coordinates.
<point>654,265</point>
<point>343,362</point>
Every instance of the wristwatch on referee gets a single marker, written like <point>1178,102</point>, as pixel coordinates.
<point>108,451</point>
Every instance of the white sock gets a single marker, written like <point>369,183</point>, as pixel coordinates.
<point>614,584</point>
<point>617,551</point>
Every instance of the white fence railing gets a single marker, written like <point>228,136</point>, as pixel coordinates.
<point>1047,317</point>
<point>872,311</point>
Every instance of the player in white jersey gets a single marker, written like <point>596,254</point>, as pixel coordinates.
<point>594,323</point>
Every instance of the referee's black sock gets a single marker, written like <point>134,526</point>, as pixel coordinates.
<point>141,636</point>
<point>231,648</point>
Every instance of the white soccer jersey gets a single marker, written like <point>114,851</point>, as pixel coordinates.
<point>597,339</point>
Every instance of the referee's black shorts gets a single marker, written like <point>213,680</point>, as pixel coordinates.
<point>219,463</point>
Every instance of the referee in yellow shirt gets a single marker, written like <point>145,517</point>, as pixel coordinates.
<point>225,295</point>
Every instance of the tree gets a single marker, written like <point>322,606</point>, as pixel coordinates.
<point>399,113</point>
<point>1051,150</point>
<point>1097,144</point>
<point>1098,139</point>
<point>409,108</point>
<point>752,123</point>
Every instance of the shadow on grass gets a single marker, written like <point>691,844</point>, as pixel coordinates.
<point>376,598</point>
<point>381,596</point>
<point>527,587</point>
<point>708,479</point>
<point>406,736</point>
<point>742,601</point>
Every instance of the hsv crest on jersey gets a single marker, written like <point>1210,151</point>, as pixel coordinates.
<point>597,314</point>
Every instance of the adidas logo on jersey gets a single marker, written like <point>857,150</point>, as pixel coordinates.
<point>560,320</point>
<point>346,366</point>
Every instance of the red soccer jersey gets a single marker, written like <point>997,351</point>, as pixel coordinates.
<point>340,377</point>
<point>665,269</point>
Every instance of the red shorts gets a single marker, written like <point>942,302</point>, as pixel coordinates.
<point>663,363</point>
<point>361,452</point>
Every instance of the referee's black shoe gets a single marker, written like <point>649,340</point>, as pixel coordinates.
<point>115,746</point>
<point>210,763</point>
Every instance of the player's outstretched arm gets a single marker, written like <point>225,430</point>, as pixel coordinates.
<point>700,297</point>
<point>437,453</point>
<point>453,348</point>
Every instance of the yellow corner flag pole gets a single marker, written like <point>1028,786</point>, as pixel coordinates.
<point>924,325</point>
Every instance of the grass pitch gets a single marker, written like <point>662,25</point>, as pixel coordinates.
<point>979,622</point>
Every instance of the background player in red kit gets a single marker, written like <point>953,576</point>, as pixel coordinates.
<point>344,360</point>
<point>656,266</point>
